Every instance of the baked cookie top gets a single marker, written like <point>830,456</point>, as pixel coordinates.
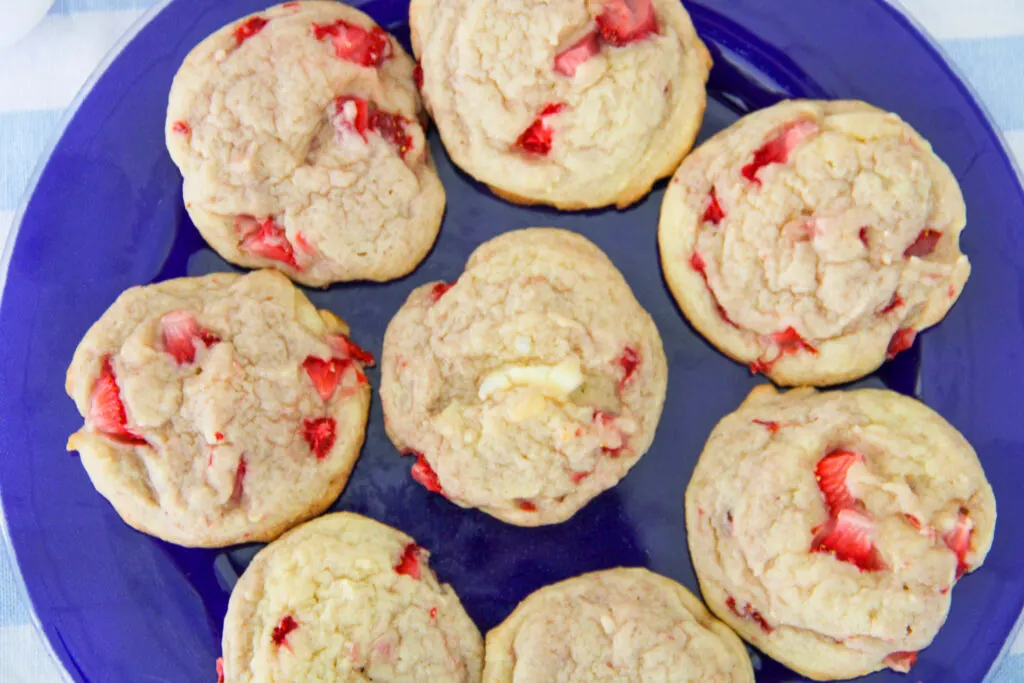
<point>218,409</point>
<point>573,103</point>
<point>828,529</point>
<point>344,598</point>
<point>529,385</point>
<point>812,240</point>
<point>298,133</point>
<point>614,625</point>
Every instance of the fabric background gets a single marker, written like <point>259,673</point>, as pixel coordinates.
<point>40,76</point>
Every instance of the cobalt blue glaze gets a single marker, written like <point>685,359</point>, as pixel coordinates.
<point>118,606</point>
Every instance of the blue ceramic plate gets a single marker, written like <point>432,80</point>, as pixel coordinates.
<point>106,213</point>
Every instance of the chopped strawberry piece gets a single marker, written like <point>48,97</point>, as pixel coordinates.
<point>770,425</point>
<point>625,21</point>
<point>179,333</point>
<point>895,303</point>
<point>848,537</point>
<point>439,290</point>
<point>713,214</point>
<point>924,244</point>
<point>577,477</point>
<point>219,436</point>
<point>409,563</point>
<point>303,245</point>
<point>790,341</point>
<point>106,411</point>
<point>607,422</point>
<point>864,236</point>
<point>417,76</point>
<point>748,612</point>
<point>391,127</point>
<point>352,113</point>
<point>527,506</point>
<point>320,435</point>
<point>248,28</point>
<point>629,361</point>
<point>537,138</point>
<point>220,670</point>
<point>424,474</point>
<point>914,521</point>
<point>569,59</point>
<point>901,341</point>
<point>900,661</point>
<point>761,366</point>
<point>959,541</point>
<point>433,614</point>
<point>236,492</point>
<point>267,239</point>
<point>355,43</point>
<point>325,374</point>
<point>778,149</point>
<point>280,635</point>
<point>831,474</point>
<point>182,128</point>
<point>346,348</point>
<point>697,263</point>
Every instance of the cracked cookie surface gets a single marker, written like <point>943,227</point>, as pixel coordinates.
<point>298,133</point>
<point>218,409</point>
<point>344,598</point>
<point>828,529</point>
<point>573,103</point>
<point>812,240</point>
<point>625,624</point>
<point>528,386</point>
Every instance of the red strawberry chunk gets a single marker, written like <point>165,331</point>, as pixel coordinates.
<point>625,21</point>
<point>409,563</point>
<point>346,348</point>
<point>106,411</point>
<point>356,44</point>
<point>266,239</point>
<point>770,425</point>
<point>320,435</point>
<point>924,244</point>
<point>848,536</point>
<point>748,612</point>
<point>527,506</point>
<point>831,473</point>
<point>220,670</point>
<point>424,474</point>
<point>713,214</point>
<point>325,374</point>
<point>182,128</point>
<point>629,361</point>
<point>895,303</point>
<point>439,290</point>
<point>697,263</point>
<point>236,492</point>
<point>352,113</point>
<point>577,477</point>
<point>179,333</point>
<point>864,234</point>
<point>391,127</point>
<point>569,59</point>
<point>959,541</point>
<point>417,76</point>
<point>537,138</point>
<point>778,149</point>
<point>790,341</point>
<point>248,28</point>
<point>901,341</point>
<point>900,661</point>
<point>280,635</point>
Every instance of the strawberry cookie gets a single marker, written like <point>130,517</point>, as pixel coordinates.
<point>298,133</point>
<point>828,529</point>
<point>344,598</point>
<point>219,409</point>
<point>528,386</point>
<point>614,625</point>
<point>573,103</point>
<point>813,240</point>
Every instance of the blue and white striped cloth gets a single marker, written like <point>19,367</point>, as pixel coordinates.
<point>40,76</point>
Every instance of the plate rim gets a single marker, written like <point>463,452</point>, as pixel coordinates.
<point>894,7</point>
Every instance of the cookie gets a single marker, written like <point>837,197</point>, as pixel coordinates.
<point>218,409</point>
<point>614,625</point>
<point>573,103</point>
<point>813,240</point>
<point>344,598</point>
<point>828,529</point>
<point>298,133</point>
<point>528,386</point>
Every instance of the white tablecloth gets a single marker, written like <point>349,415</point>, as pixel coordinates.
<point>40,76</point>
